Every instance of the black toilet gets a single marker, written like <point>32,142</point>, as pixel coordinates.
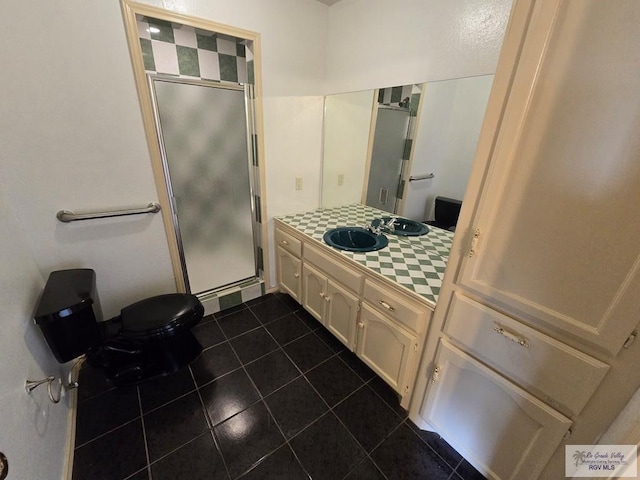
<point>148,339</point>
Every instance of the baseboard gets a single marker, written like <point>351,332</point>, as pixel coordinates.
<point>72,402</point>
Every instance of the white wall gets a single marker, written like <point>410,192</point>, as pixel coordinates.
<point>451,117</point>
<point>293,138</point>
<point>73,139</point>
<point>376,43</point>
<point>32,429</point>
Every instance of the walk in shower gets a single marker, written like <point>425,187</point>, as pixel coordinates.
<point>203,128</point>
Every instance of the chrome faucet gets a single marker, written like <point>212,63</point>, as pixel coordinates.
<point>381,227</point>
<point>375,230</point>
<point>390,225</point>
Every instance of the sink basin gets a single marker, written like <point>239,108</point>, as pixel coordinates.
<point>403,227</point>
<point>354,239</point>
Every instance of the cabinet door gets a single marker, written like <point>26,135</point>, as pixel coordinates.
<point>505,432</point>
<point>288,271</point>
<point>384,347</point>
<point>314,290</point>
<point>556,224</point>
<point>341,314</point>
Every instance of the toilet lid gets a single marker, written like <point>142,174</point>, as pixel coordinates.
<point>161,316</point>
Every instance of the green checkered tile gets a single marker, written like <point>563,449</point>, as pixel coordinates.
<point>436,240</point>
<point>417,263</point>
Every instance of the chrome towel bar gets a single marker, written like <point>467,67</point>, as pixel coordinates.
<point>425,176</point>
<point>67,216</point>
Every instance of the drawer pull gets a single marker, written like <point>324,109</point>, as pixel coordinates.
<point>321,294</point>
<point>296,275</point>
<point>386,305</point>
<point>360,325</point>
<point>284,242</point>
<point>511,336</point>
<point>327,298</point>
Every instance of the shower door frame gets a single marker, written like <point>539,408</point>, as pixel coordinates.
<point>129,11</point>
<point>246,89</point>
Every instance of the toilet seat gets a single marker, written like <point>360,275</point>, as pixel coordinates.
<point>161,316</point>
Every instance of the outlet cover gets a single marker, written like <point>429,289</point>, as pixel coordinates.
<point>298,183</point>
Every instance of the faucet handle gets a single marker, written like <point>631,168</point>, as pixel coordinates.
<point>391,224</point>
<point>375,230</point>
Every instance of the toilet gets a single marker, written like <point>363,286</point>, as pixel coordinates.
<point>149,338</point>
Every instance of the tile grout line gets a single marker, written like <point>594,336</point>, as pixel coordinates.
<point>330,409</point>
<point>365,383</point>
<point>286,441</point>
<point>209,422</point>
<point>106,433</point>
<point>280,347</point>
<point>144,433</point>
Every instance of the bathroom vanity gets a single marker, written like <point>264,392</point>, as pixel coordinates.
<point>378,304</point>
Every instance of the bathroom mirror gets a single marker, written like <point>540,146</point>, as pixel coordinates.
<point>447,126</point>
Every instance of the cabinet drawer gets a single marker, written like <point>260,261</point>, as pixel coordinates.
<point>345,275</point>
<point>288,242</point>
<point>393,305</point>
<point>540,363</point>
<point>505,432</point>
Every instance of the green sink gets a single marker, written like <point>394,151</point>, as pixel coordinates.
<point>401,226</point>
<point>355,239</point>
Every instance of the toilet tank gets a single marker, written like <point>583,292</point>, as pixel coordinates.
<point>68,313</point>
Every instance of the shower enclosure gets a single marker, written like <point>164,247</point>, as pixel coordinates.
<point>203,130</point>
<point>385,171</point>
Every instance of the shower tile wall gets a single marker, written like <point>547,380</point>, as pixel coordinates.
<point>186,52</point>
<point>394,96</point>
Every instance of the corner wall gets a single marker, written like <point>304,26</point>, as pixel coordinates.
<point>33,431</point>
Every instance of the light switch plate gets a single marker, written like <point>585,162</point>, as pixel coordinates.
<point>298,183</point>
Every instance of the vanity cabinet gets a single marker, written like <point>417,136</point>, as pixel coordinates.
<point>383,325</point>
<point>288,264</point>
<point>330,304</point>
<point>388,333</point>
<point>384,346</point>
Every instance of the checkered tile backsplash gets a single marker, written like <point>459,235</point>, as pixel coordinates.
<point>185,51</point>
<point>417,263</point>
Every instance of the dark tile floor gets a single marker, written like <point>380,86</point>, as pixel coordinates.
<point>272,396</point>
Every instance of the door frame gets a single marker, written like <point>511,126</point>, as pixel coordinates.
<point>129,11</point>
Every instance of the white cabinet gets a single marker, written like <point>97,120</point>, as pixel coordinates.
<point>330,304</point>
<point>543,281</point>
<point>288,272</point>
<point>341,313</point>
<point>288,264</point>
<point>385,347</point>
<point>503,430</point>
<point>558,244</point>
<point>314,291</point>
<point>536,361</point>
<point>379,321</point>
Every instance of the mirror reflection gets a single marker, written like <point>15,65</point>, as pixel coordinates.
<point>404,149</point>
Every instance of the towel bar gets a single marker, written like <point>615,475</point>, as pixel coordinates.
<point>67,216</point>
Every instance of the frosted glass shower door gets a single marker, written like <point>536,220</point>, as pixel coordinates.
<point>203,131</point>
<point>389,140</point>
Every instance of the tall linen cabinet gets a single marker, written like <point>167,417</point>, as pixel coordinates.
<point>532,343</point>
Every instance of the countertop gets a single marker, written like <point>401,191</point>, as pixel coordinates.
<point>415,263</point>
